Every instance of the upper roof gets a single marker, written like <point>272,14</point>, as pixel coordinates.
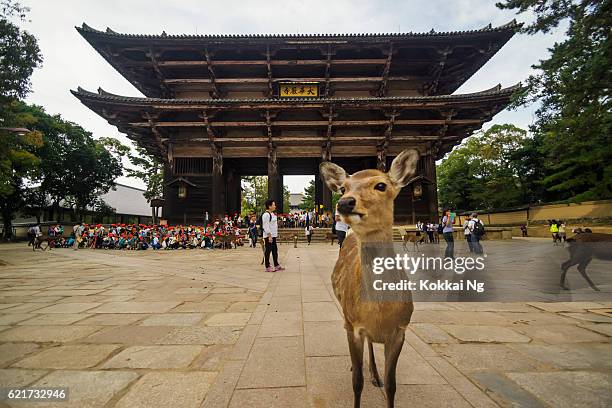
<point>87,31</point>
<point>165,65</point>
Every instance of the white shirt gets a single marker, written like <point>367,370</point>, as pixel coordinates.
<point>270,224</point>
<point>472,222</point>
<point>341,225</point>
<point>466,228</point>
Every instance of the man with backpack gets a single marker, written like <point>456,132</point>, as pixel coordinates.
<point>269,225</point>
<point>477,230</point>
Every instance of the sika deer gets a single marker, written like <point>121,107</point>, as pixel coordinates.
<point>367,206</point>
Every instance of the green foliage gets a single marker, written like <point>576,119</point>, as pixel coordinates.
<point>491,169</point>
<point>19,53</point>
<point>286,203</point>
<point>573,86</point>
<point>308,203</point>
<point>254,195</point>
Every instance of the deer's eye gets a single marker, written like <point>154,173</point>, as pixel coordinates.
<point>380,187</point>
<point>342,190</point>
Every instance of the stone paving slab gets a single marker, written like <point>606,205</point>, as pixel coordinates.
<point>210,329</point>
<point>155,357</point>
<point>68,357</point>
<point>87,388</point>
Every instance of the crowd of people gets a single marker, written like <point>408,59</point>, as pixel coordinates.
<point>472,228</point>
<point>558,231</point>
<point>220,234</point>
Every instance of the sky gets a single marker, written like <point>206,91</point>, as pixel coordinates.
<point>69,61</point>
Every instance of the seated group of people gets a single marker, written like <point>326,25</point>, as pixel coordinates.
<point>220,234</point>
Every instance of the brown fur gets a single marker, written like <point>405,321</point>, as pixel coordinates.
<point>369,212</point>
<point>583,247</point>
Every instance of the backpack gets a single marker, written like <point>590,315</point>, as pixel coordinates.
<point>479,228</point>
<point>259,224</point>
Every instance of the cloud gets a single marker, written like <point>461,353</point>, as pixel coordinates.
<point>69,61</point>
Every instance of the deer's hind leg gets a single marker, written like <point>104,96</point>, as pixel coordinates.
<point>582,269</point>
<point>355,343</point>
<point>375,378</point>
<point>393,348</point>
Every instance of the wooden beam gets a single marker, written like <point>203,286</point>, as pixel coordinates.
<point>190,81</point>
<point>382,91</point>
<point>277,139</point>
<point>328,71</point>
<point>158,136</point>
<point>432,86</point>
<point>209,130</point>
<point>160,76</point>
<point>361,61</point>
<point>211,75</point>
<point>269,67</point>
<point>313,123</point>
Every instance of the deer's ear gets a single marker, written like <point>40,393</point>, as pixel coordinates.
<point>333,175</point>
<point>404,167</point>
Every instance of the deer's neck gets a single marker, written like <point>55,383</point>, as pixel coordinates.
<point>384,234</point>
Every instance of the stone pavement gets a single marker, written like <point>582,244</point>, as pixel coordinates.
<point>211,329</point>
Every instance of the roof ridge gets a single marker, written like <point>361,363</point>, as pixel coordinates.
<point>102,94</point>
<point>511,25</point>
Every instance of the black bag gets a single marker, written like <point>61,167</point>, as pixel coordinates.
<point>260,224</point>
<point>479,229</point>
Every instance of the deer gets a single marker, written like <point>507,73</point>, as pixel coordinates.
<point>366,205</point>
<point>582,248</point>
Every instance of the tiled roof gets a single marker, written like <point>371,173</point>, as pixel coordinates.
<point>107,96</point>
<point>510,26</point>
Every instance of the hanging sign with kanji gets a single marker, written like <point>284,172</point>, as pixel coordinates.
<point>298,89</point>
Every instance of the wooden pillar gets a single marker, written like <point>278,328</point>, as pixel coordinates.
<point>381,158</point>
<point>218,183</point>
<point>432,189</point>
<point>233,195</point>
<point>274,192</point>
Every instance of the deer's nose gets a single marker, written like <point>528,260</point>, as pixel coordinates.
<point>346,205</point>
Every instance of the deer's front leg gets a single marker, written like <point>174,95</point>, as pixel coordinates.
<point>355,343</point>
<point>393,348</point>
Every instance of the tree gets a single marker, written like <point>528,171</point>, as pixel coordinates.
<point>255,194</point>
<point>19,53</point>
<point>286,202</point>
<point>489,170</point>
<point>308,203</point>
<point>574,121</point>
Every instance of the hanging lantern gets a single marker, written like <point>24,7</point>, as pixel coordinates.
<point>182,190</point>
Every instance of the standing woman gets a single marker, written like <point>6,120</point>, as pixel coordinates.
<point>308,231</point>
<point>447,231</point>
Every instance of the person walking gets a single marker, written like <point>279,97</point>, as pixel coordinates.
<point>447,232</point>
<point>77,230</point>
<point>308,231</point>
<point>341,228</point>
<point>467,233</point>
<point>554,231</point>
<point>562,233</point>
<point>476,228</point>
<point>269,224</point>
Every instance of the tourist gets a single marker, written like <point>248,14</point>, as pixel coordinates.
<point>77,230</point>
<point>308,231</point>
<point>524,230</point>
<point>467,233</point>
<point>341,228</point>
<point>447,232</point>
<point>269,224</point>
<point>253,232</point>
<point>476,228</point>
<point>554,231</point>
<point>562,233</point>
